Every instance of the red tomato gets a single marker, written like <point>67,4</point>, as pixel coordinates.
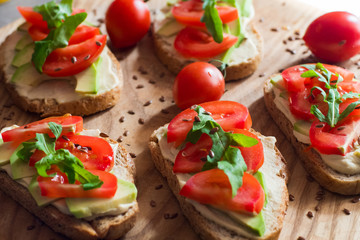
<point>338,140</point>
<point>334,36</point>
<point>59,187</point>
<point>196,83</point>
<point>38,33</point>
<point>59,62</point>
<point>70,124</point>
<point>213,187</point>
<point>226,113</point>
<point>127,22</point>
<point>94,152</point>
<point>190,13</point>
<point>189,159</point>
<point>191,42</point>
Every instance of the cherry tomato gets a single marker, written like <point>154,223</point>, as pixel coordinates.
<point>226,113</point>
<point>213,187</point>
<point>70,124</point>
<point>190,13</point>
<point>59,63</point>
<point>334,36</point>
<point>127,22</point>
<point>196,83</point>
<point>190,158</point>
<point>192,42</point>
<point>59,186</point>
<point>94,152</point>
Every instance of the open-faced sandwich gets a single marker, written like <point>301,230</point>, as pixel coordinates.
<point>57,63</point>
<point>230,180</point>
<point>77,182</point>
<point>316,106</point>
<point>188,31</point>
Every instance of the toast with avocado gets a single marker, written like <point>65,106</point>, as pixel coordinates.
<point>60,65</point>
<point>195,181</point>
<point>333,160</point>
<point>103,206</point>
<point>239,47</point>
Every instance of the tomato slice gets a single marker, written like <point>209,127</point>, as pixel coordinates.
<point>213,187</point>
<point>191,42</point>
<point>338,140</point>
<point>189,159</point>
<point>94,152</point>
<point>81,34</point>
<point>59,186</point>
<point>190,13</point>
<point>32,17</point>
<point>70,124</point>
<point>60,64</point>
<point>228,114</point>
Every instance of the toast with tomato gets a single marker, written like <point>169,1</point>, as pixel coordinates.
<point>78,183</point>
<point>316,107</point>
<point>188,31</point>
<point>233,188</point>
<point>58,65</point>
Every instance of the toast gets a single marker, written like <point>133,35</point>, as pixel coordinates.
<point>274,212</point>
<point>104,227</point>
<point>46,98</point>
<point>311,159</point>
<point>241,63</point>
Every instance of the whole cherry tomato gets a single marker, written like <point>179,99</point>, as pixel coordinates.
<point>197,83</point>
<point>127,22</point>
<point>334,36</point>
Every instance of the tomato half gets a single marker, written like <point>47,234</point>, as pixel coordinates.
<point>196,83</point>
<point>70,124</point>
<point>59,187</point>
<point>334,36</point>
<point>94,152</point>
<point>60,64</point>
<point>192,42</point>
<point>338,140</point>
<point>226,113</point>
<point>213,187</point>
<point>190,13</point>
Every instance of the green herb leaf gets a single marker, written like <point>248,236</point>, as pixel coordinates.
<point>57,38</point>
<point>56,129</point>
<point>223,156</point>
<point>212,20</point>
<point>54,13</point>
<point>25,153</point>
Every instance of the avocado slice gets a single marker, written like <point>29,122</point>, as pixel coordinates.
<point>302,127</point>
<point>170,28</point>
<point>80,207</point>
<point>255,224</point>
<point>27,75</point>
<point>19,168</point>
<point>23,42</point>
<point>277,82</point>
<point>260,177</point>
<point>6,150</point>
<point>23,56</point>
<point>88,81</point>
<point>35,191</point>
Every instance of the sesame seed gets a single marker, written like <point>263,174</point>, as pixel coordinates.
<point>98,43</point>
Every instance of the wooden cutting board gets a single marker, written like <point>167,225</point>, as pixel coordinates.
<point>281,24</point>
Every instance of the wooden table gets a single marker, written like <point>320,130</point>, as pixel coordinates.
<point>281,24</point>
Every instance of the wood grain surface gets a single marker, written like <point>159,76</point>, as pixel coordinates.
<point>281,24</point>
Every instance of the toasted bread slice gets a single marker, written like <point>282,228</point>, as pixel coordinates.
<point>241,64</point>
<point>274,212</point>
<point>312,161</point>
<point>106,227</point>
<point>44,100</point>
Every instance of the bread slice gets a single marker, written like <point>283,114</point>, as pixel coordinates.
<point>274,212</point>
<point>312,161</point>
<point>237,69</point>
<point>46,104</point>
<point>106,227</point>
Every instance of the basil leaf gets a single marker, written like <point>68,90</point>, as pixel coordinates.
<point>54,13</point>
<point>212,20</point>
<point>57,38</point>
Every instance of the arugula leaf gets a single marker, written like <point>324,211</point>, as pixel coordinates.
<point>25,153</point>
<point>212,20</point>
<point>221,155</point>
<point>57,38</point>
<point>332,97</point>
<point>54,13</point>
<point>56,129</point>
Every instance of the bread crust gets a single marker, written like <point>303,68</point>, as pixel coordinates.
<point>86,105</point>
<point>204,227</point>
<point>233,71</point>
<point>107,227</point>
<point>312,161</point>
